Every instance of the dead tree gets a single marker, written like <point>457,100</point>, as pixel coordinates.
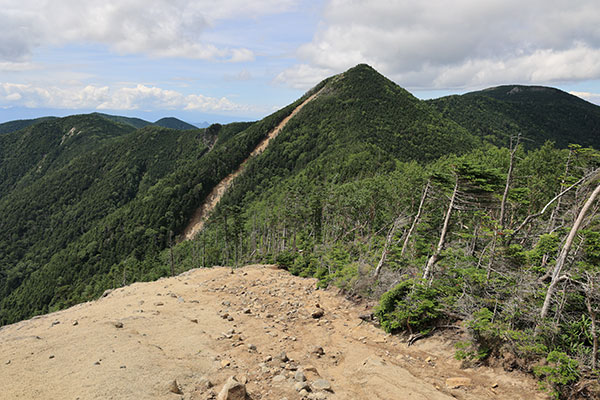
<point>436,254</point>
<point>562,257</point>
<point>386,248</point>
<point>416,220</point>
<point>531,217</point>
<point>508,178</point>
<point>590,291</point>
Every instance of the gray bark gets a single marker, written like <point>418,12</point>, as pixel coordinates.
<point>562,257</point>
<point>436,254</point>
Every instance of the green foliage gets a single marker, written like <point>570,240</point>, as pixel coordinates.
<point>538,113</point>
<point>559,372</point>
<point>410,305</point>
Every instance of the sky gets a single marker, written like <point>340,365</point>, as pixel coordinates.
<point>233,60</point>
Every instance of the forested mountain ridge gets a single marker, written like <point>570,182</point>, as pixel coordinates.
<point>29,153</point>
<point>366,188</point>
<point>168,122</point>
<point>13,126</point>
<point>174,123</point>
<point>539,113</point>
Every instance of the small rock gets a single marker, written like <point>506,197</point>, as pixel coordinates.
<point>232,390</point>
<point>51,356</point>
<point>226,303</point>
<point>7,362</point>
<point>366,317</point>
<point>456,382</point>
<point>55,323</point>
<point>321,384</point>
<point>318,350</point>
<point>247,311</point>
<point>194,320</point>
<point>75,323</point>
<point>283,357</point>
<point>204,383</point>
<point>251,347</point>
<point>318,396</point>
<point>174,387</point>
<point>279,378</point>
<point>299,376</point>
<point>159,303</point>
<point>299,386</point>
<point>428,359</point>
<point>118,324</point>
<point>494,385</point>
<point>106,293</point>
<point>225,363</point>
<point>123,366</point>
<point>318,313</point>
<point>311,368</point>
<point>97,363</point>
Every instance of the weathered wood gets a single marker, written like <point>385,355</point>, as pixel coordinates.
<point>436,254</point>
<point>562,257</point>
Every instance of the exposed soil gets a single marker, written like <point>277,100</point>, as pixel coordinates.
<point>202,213</point>
<point>208,325</point>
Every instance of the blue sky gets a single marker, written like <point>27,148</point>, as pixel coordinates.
<point>237,60</point>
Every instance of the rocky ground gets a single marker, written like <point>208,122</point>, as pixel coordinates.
<point>257,333</point>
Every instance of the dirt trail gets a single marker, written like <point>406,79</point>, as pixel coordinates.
<point>197,222</point>
<point>207,325</point>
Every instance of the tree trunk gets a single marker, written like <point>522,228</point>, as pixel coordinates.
<point>508,179</point>
<point>593,331</point>
<point>171,253</point>
<point>386,247</point>
<point>436,254</point>
<point>558,196</point>
<point>416,220</point>
<point>562,257</point>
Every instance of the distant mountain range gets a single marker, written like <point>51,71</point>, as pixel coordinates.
<point>167,122</point>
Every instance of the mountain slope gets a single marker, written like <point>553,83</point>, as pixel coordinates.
<point>174,123</point>
<point>538,113</point>
<point>130,222</point>
<point>13,126</point>
<point>360,125</point>
<point>28,154</point>
<point>135,122</point>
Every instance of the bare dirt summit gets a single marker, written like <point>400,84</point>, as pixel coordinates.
<point>258,333</point>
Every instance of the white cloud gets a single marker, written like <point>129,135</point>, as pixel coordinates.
<point>591,97</point>
<point>17,66</point>
<point>159,28</point>
<point>140,97</point>
<point>303,76</point>
<point>437,44</point>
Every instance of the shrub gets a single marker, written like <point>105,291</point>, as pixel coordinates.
<point>411,305</point>
<point>559,372</point>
